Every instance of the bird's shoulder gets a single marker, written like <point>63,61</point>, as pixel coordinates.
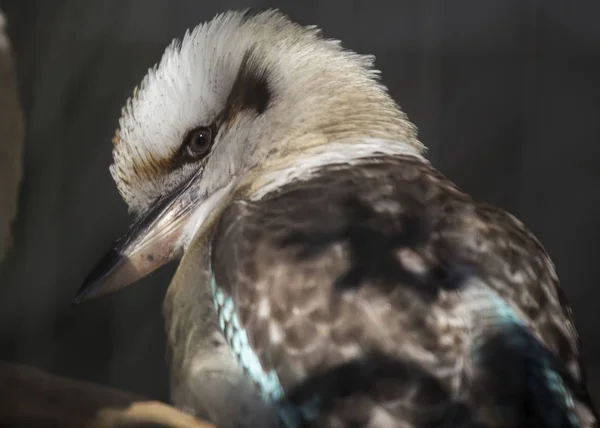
<point>393,232</point>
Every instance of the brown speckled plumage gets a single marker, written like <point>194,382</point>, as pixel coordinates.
<point>368,264</point>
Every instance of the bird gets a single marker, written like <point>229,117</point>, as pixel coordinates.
<point>329,275</point>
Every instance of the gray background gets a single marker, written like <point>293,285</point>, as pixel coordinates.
<point>506,94</point>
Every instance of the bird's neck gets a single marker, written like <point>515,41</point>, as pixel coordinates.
<point>302,165</point>
<point>355,121</point>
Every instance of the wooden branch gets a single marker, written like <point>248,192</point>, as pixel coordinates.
<point>32,398</point>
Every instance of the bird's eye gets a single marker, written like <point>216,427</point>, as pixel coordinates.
<point>198,142</point>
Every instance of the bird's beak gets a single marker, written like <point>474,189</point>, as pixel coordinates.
<point>153,240</point>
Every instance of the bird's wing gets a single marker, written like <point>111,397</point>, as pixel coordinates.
<point>383,283</point>
<point>205,378</point>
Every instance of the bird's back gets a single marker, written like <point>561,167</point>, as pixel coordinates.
<point>381,295</point>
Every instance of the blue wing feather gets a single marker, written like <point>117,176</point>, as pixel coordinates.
<point>504,344</point>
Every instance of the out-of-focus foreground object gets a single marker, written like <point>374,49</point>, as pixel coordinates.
<point>32,398</point>
<point>11,140</point>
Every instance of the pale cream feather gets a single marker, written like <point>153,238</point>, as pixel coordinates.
<point>321,94</point>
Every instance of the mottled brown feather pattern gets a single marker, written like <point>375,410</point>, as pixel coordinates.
<point>311,298</point>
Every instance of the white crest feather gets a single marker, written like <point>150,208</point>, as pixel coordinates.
<point>190,85</point>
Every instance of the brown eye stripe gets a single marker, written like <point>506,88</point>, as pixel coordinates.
<point>250,90</point>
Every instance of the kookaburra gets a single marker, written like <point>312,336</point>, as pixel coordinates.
<point>330,275</point>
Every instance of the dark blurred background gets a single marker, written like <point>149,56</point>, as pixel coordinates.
<point>506,94</point>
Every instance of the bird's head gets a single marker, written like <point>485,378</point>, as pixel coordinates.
<point>238,98</point>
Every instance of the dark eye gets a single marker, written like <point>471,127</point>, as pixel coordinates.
<point>198,142</point>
